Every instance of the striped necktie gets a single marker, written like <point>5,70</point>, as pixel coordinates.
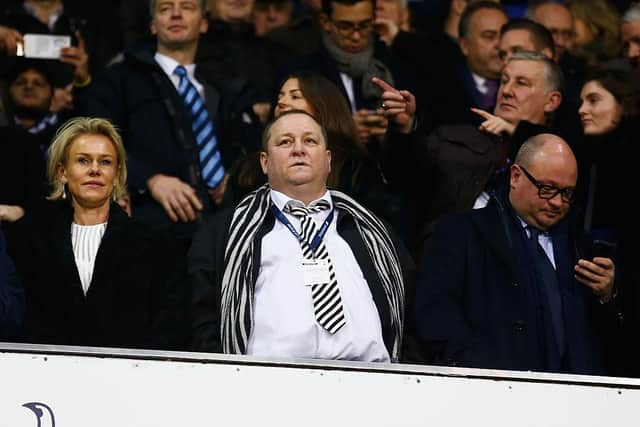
<point>327,302</point>
<point>202,126</point>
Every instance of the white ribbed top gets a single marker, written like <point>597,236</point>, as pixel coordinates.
<point>86,241</point>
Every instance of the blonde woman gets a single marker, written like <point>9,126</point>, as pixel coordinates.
<point>92,275</point>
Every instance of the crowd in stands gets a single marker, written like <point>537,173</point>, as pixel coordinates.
<point>336,179</point>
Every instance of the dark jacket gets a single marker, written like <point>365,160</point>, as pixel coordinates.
<point>206,267</point>
<point>22,173</point>
<point>129,302</point>
<point>476,305</point>
<point>440,173</point>
<point>11,295</point>
<point>141,100</point>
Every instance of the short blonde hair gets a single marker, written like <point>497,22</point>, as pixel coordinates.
<point>58,152</point>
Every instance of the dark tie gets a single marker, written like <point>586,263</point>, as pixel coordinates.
<point>327,302</point>
<point>488,99</point>
<point>550,287</point>
<point>203,129</point>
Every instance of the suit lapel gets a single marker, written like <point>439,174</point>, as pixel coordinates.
<point>61,231</point>
<point>489,224</point>
<point>110,247</point>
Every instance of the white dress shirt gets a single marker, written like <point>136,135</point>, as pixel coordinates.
<point>347,81</point>
<point>284,321</point>
<point>169,65</point>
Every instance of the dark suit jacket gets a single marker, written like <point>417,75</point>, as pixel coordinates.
<point>206,268</point>
<point>141,100</point>
<point>476,306</point>
<point>128,304</point>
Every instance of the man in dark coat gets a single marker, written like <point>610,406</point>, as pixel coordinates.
<point>296,270</point>
<point>142,97</point>
<point>510,286</point>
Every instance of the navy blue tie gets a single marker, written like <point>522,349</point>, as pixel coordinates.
<point>202,126</point>
<point>550,287</point>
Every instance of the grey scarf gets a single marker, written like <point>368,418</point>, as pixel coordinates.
<point>361,65</point>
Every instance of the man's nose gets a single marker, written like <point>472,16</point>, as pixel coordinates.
<point>634,50</point>
<point>298,146</point>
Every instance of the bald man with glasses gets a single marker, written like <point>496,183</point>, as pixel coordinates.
<point>514,285</point>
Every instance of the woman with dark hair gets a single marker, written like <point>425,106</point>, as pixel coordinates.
<point>353,170</point>
<point>607,160</point>
<point>609,114</point>
<point>92,275</point>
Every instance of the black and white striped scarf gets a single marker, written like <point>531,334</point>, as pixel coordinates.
<point>238,284</point>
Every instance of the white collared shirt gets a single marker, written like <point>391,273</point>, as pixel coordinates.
<point>169,65</point>
<point>284,322</point>
<point>481,83</point>
<point>545,241</point>
<point>347,81</point>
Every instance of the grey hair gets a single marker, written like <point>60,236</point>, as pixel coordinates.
<point>632,14</point>
<point>553,77</point>
<point>152,7</point>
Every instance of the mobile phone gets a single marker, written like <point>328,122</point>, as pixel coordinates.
<point>44,46</point>
<point>601,249</point>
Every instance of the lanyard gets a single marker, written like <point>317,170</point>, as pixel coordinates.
<point>319,235</point>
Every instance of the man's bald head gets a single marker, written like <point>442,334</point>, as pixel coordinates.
<point>543,180</point>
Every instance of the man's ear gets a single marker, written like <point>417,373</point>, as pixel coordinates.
<point>554,99</point>
<point>514,176</point>
<point>204,25</point>
<point>152,26</point>
<point>463,46</point>
<point>329,159</point>
<point>264,162</point>
<point>325,22</point>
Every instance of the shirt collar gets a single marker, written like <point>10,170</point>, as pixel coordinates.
<point>169,65</point>
<point>280,199</point>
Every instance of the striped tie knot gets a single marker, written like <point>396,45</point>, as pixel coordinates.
<point>212,169</point>
<point>299,210</point>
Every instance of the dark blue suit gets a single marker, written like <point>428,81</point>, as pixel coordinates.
<point>478,305</point>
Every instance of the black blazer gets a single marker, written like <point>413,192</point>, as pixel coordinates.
<point>476,307</point>
<point>129,302</point>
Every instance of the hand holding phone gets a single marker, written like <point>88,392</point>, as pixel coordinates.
<point>598,276</point>
<point>601,249</point>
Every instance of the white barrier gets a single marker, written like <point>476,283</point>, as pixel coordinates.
<point>85,387</point>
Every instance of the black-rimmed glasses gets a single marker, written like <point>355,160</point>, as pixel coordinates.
<point>547,192</point>
<point>347,28</point>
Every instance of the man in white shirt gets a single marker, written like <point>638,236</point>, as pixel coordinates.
<point>296,270</point>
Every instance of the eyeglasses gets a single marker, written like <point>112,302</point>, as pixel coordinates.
<point>549,191</point>
<point>347,28</point>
